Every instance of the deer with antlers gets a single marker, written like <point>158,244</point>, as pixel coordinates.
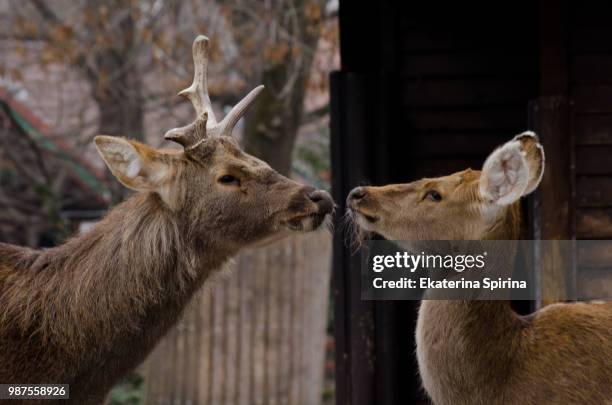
<point>87,312</point>
<point>482,352</point>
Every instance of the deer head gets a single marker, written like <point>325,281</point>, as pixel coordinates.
<point>211,184</point>
<point>466,205</point>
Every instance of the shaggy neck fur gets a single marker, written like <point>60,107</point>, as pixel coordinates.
<point>95,306</point>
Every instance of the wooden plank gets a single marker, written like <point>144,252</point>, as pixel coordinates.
<point>593,98</point>
<point>594,160</point>
<point>595,254</point>
<point>554,221</point>
<point>421,40</point>
<point>593,192</point>
<point>435,167</point>
<point>424,40</point>
<point>551,115</point>
<point>461,24</point>
<point>355,376</point>
<point>593,129</point>
<point>487,63</point>
<point>453,144</point>
<point>591,14</point>
<point>595,69</point>
<point>591,39</point>
<point>506,119</point>
<point>595,284</point>
<point>552,122</point>
<point>461,92</point>
<point>553,47</point>
<point>594,223</point>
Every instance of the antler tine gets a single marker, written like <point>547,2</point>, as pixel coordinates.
<point>231,119</point>
<point>197,93</point>
<point>190,135</point>
<point>206,126</point>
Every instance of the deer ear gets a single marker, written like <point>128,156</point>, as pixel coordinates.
<point>513,170</point>
<point>135,165</point>
<point>534,155</point>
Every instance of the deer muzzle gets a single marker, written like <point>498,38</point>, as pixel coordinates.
<point>312,208</point>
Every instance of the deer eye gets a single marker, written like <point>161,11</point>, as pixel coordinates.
<point>433,195</point>
<point>228,179</point>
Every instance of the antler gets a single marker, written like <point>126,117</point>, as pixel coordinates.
<point>206,124</point>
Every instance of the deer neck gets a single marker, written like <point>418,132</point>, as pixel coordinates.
<point>461,342</point>
<point>465,318</point>
<point>463,345</point>
<point>120,286</point>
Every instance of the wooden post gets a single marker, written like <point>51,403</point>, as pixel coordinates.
<point>353,319</point>
<point>552,112</point>
<point>375,347</point>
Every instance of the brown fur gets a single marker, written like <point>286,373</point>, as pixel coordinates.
<point>481,352</point>
<point>87,312</point>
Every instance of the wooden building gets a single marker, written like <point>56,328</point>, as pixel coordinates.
<point>429,88</point>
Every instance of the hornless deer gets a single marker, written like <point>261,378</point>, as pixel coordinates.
<point>481,352</point>
<point>87,312</point>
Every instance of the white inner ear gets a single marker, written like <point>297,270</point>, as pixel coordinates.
<point>121,157</point>
<point>126,163</point>
<point>133,167</point>
<point>505,174</point>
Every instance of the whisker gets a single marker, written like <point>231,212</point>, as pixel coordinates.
<point>329,223</point>
<point>355,235</point>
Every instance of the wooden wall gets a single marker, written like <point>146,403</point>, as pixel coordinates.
<point>425,89</point>
<point>590,84</point>
<point>465,81</point>
<point>429,88</point>
<point>466,75</point>
<point>591,90</point>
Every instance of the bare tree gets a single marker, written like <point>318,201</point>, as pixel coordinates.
<point>115,45</point>
<point>109,43</point>
<point>287,33</point>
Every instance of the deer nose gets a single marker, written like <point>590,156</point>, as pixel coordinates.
<point>324,201</point>
<point>357,194</point>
